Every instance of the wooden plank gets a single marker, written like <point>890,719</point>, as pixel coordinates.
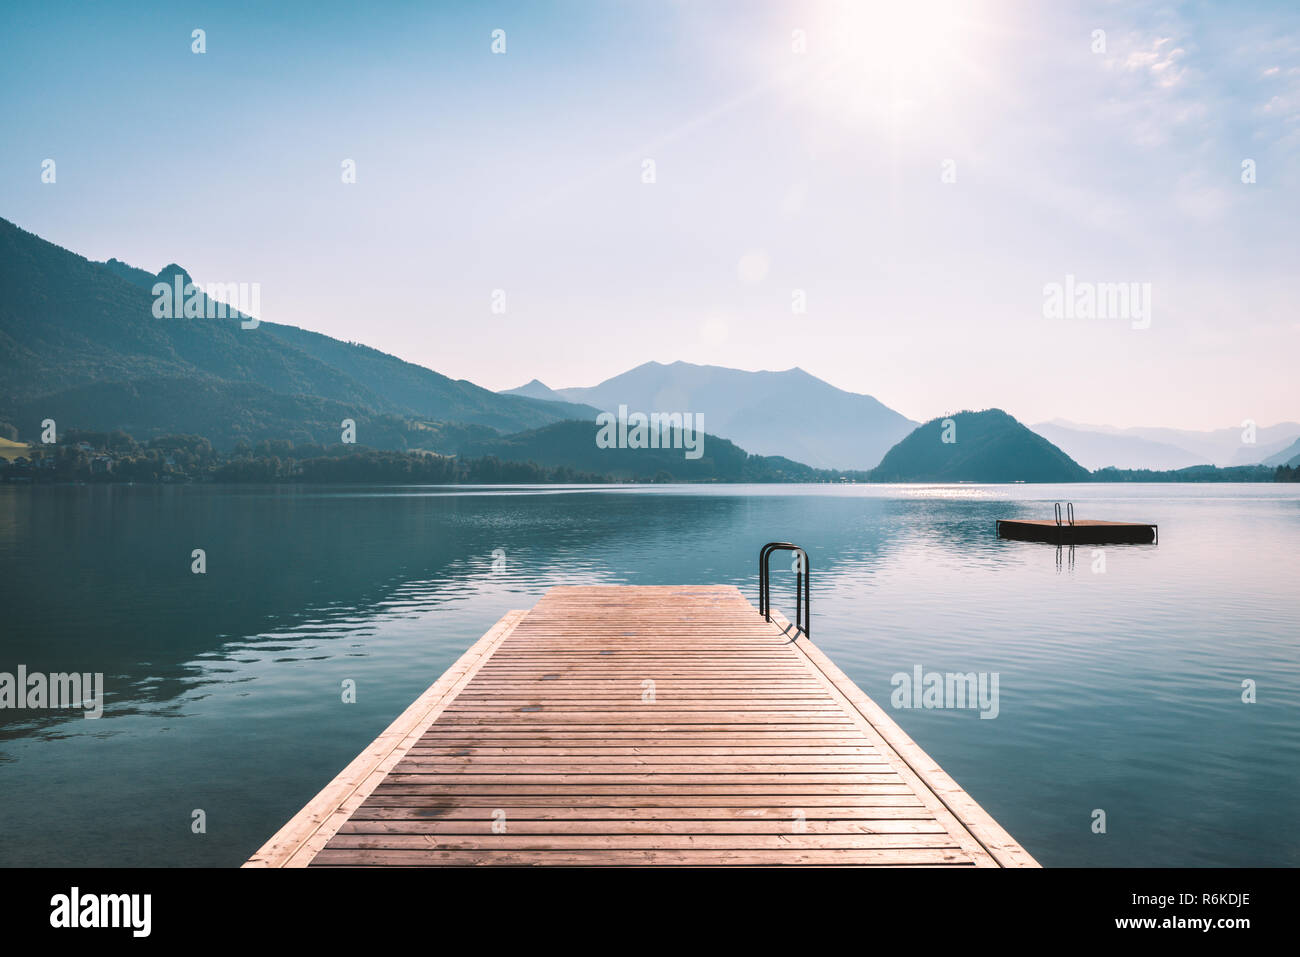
<point>567,841</point>
<point>643,725</point>
<point>518,791</point>
<point>649,817</point>
<point>794,857</point>
<point>689,826</point>
<point>438,803</point>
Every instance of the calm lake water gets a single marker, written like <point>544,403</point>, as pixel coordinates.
<point>1120,689</point>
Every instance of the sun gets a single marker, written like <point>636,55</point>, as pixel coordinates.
<point>886,59</point>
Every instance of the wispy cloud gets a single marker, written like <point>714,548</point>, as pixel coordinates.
<point>1163,62</point>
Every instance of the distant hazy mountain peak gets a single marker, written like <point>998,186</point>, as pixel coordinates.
<point>535,389</point>
<point>789,412</point>
<point>1153,447</point>
<point>1288,456</point>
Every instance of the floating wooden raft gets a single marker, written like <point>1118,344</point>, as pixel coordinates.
<point>1083,532</point>
<point>635,726</point>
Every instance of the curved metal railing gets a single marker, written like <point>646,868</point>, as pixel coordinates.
<point>803,576</point>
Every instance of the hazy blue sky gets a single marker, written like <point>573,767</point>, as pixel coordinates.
<point>775,171</point>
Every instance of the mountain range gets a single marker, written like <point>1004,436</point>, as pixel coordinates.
<point>1102,446</point>
<point>789,413</point>
<point>79,344</point>
<point>1288,456</point>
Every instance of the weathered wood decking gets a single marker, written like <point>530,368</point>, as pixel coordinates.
<point>636,726</point>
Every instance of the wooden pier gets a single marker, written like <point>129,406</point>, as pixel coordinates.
<point>636,726</point>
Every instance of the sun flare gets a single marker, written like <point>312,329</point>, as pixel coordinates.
<point>883,59</point>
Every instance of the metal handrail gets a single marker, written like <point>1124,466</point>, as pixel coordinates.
<point>802,590</point>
